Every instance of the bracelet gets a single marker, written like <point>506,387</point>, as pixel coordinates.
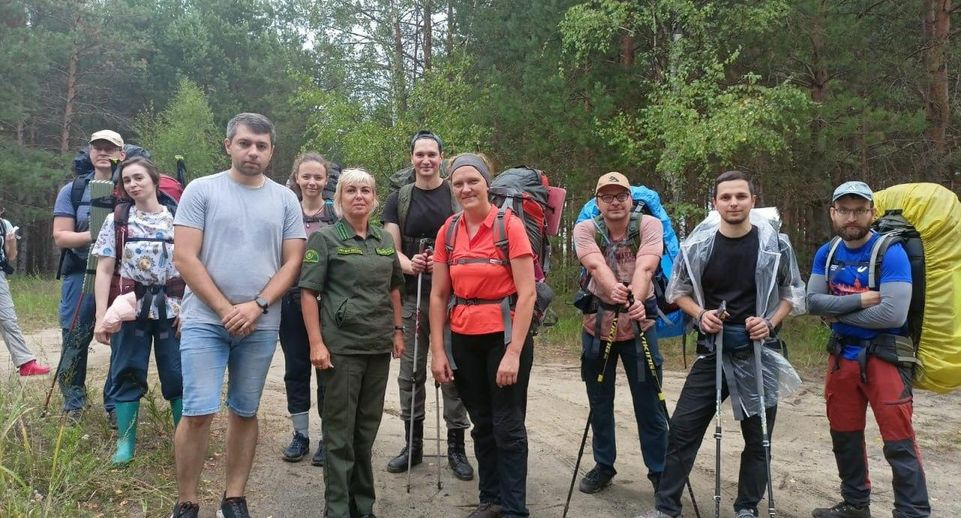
<point>399,328</point>
<point>699,317</point>
<point>770,326</point>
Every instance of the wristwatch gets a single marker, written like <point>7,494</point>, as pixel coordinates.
<point>262,302</point>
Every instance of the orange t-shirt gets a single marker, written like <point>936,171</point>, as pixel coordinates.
<point>481,280</point>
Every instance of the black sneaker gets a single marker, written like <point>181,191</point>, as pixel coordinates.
<point>298,449</point>
<point>320,457</point>
<point>233,507</point>
<point>596,480</point>
<point>185,510</point>
<point>843,510</point>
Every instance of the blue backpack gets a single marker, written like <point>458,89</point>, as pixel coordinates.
<point>670,320</point>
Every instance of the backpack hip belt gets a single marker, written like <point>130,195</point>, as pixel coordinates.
<point>156,293</point>
<point>507,304</point>
<point>894,349</point>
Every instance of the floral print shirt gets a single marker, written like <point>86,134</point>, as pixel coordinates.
<point>148,262</point>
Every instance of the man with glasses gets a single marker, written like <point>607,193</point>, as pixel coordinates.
<point>864,324</point>
<point>71,232</point>
<point>620,250</point>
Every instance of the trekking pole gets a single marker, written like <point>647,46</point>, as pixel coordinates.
<point>63,354</point>
<point>437,414</point>
<point>413,376</point>
<point>652,369</point>
<point>765,440</point>
<point>718,376</point>
<point>611,335</point>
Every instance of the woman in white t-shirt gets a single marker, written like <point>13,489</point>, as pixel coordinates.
<point>144,248</point>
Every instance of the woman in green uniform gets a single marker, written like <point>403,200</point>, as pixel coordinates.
<point>353,267</point>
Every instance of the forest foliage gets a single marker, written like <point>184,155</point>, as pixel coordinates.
<point>803,94</point>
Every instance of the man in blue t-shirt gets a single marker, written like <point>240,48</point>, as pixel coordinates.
<point>866,318</point>
<point>71,232</point>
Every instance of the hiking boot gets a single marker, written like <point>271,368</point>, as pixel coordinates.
<point>457,455</point>
<point>654,513</point>
<point>298,449</point>
<point>320,457</point>
<point>486,510</point>
<point>112,418</point>
<point>843,510</point>
<point>416,450</point>
<point>32,368</point>
<point>233,507</point>
<point>596,480</point>
<point>745,513</point>
<point>185,510</point>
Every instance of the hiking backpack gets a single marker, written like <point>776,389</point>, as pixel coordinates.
<point>4,263</point>
<point>670,320</point>
<point>523,191</point>
<point>925,219</point>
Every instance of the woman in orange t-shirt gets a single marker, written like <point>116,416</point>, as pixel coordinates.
<point>493,365</point>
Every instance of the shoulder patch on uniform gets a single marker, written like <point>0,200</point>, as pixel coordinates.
<point>349,250</point>
<point>311,257</point>
<point>385,251</point>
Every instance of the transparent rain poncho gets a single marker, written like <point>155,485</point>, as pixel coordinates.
<point>777,278</point>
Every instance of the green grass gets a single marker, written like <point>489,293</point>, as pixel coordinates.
<point>50,468</point>
<point>36,300</point>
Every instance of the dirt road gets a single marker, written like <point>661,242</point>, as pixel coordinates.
<point>804,469</point>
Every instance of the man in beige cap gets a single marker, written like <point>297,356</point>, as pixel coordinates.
<point>620,250</point>
<point>71,232</point>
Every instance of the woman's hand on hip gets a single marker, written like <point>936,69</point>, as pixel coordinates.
<point>508,369</point>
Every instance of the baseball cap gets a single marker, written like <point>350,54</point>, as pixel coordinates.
<point>854,189</point>
<point>612,178</point>
<point>110,136</point>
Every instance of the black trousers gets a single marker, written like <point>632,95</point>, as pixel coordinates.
<point>498,414</point>
<point>692,415</point>
<point>297,367</point>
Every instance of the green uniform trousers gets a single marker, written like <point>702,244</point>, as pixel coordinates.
<point>353,407</point>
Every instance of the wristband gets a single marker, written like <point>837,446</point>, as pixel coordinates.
<point>699,317</point>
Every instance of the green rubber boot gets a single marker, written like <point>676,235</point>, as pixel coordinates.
<point>127,413</point>
<point>177,409</point>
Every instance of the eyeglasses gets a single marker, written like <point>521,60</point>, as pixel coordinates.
<point>608,198</point>
<point>852,212</point>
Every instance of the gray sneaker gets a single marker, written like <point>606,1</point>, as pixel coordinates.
<point>745,513</point>
<point>654,513</point>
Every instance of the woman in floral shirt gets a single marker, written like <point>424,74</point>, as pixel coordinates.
<point>145,263</point>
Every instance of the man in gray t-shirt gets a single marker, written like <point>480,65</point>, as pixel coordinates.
<point>239,241</point>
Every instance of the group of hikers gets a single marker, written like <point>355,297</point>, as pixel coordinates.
<point>242,261</point>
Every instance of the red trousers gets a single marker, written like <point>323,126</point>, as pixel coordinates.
<point>888,391</point>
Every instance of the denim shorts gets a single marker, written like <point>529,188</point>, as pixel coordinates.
<point>207,351</point>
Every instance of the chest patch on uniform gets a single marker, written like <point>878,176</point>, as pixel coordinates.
<point>349,250</point>
<point>385,251</point>
<point>311,257</point>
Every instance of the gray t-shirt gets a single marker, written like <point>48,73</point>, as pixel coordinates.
<point>244,229</point>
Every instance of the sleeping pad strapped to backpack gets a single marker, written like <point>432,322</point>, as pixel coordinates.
<point>670,320</point>
<point>926,219</point>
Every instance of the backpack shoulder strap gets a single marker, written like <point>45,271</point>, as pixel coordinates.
<point>877,257</point>
<point>76,194</point>
<point>835,243</point>
<point>450,236</point>
<point>121,217</point>
<point>404,196</point>
<point>454,206</point>
<point>634,230</point>
<point>501,242</point>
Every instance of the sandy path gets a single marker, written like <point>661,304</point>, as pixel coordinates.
<point>805,474</point>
